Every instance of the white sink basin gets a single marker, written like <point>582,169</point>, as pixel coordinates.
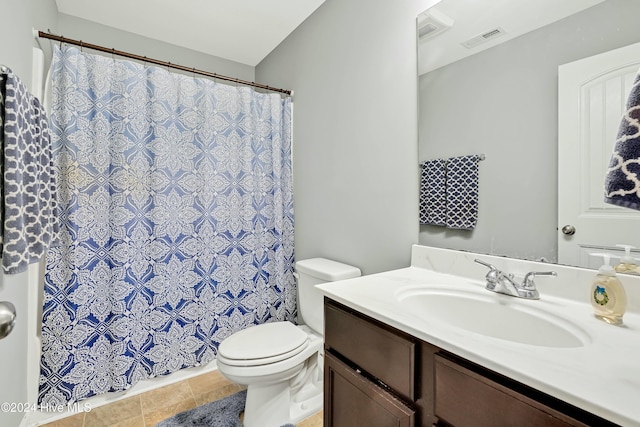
<point>493,315</point>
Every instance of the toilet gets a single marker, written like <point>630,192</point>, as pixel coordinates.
<point>281,363</point>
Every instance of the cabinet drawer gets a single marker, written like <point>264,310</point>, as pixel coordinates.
<point>352,400</point>
<point>466,398</point>
<point>385,354</point>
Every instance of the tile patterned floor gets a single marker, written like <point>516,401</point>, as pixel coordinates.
<point>147,409</point>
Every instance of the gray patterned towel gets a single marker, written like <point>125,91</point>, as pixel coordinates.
<point>462,192</point>
<point>28,184</point>
<point>433,198</point>
<point>622,183</point>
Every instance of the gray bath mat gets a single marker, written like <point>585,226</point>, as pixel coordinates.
<point>220,413</point>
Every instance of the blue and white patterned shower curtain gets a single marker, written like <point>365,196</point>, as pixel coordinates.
<point>176,208</point>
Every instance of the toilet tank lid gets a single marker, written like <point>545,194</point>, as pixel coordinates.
<point>326,269</point>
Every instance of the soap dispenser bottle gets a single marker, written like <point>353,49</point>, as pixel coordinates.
<point>608,298</point>
<point>627,263</point>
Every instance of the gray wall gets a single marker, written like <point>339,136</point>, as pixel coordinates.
<point>352,65</point>
<point>503,102</point>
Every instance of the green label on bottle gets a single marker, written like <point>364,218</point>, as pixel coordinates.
<point>600,295</point>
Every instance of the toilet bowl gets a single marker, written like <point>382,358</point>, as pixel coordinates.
<point>279,362</point>
<point>283,386</point>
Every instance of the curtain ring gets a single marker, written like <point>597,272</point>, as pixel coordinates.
<point>81,46</point>
<point>113,52</point>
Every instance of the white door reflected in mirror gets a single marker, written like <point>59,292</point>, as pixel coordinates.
<point>592,94</point>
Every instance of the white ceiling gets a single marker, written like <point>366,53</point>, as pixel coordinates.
<point>475,17</point>
<point>244,31</point>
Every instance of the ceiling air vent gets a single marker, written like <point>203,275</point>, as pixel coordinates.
<point>431,23</point>
<point>489,35</point>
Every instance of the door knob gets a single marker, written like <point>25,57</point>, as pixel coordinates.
<point>7,318</point>
<point>569,230</point>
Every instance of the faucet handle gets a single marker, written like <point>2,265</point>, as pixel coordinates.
<point>494,274</point>
<point>528,283</point>
<point>486,264</point>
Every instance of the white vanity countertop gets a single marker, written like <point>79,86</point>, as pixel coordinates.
<point>602,377</point>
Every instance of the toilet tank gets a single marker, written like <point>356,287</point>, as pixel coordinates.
<point>312,272</point>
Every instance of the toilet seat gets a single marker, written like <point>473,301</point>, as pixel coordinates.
<point>263,344</point>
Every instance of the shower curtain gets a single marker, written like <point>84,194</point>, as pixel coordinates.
<point>176,209</point>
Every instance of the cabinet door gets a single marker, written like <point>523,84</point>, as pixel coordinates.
<point>466,398</point>
<point>351,400</point>
<point>379,350</point>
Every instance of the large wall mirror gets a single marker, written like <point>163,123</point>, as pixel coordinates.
<point>500,97</point>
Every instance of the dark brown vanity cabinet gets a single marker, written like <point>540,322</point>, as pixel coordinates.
<point>378,376</point>
<point>364,387</point>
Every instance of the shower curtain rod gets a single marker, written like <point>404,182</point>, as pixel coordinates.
<point>112,51</point>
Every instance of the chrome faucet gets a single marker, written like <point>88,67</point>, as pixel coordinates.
<point>502,283</point>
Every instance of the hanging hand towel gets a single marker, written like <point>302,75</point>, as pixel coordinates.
<point>432,192</point>
<point>622,183</point>
<point>28,196</point>
<point>462,192</point>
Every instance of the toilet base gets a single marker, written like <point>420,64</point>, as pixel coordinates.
<point>302,410</point>
<point>273,405</point>
<point>267,405</point>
